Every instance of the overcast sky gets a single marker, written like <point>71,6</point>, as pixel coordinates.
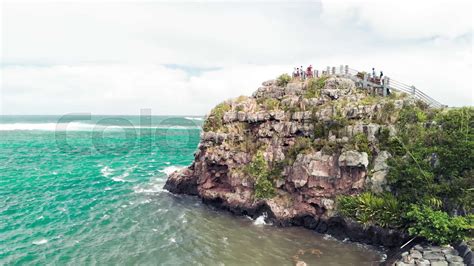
<point>106,57</point>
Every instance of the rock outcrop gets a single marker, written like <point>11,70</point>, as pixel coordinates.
<point>318,140</point>
<point>431,255</point>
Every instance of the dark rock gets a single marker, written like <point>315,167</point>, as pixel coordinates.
<point>310,222</point>
<point>182,182</point>
<point>322,227</point>
<point>468,259</point>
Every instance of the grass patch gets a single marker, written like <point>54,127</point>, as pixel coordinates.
<point>214,121</point>
<point>315,85</point>
<point>283,80</point>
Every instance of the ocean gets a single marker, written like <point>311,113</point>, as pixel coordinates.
<point>82,190</point>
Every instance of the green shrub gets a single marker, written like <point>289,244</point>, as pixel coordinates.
<point>291,109</point>
<point>214,121</point>
<point>264,188</point>
<point>438,226</point>
<point>412,115</point>
<point>421,105</point>
<point>388,143</point>
<point>315,85</point>
<point>338,121</point>
<point>258,167</point>
<point>329,147</point>
<point>387,111</point>
<point>370,209</point>
<point>283,80</point>
<point>276,170</point>
<point>259,170</point>
<point>249,144</point>
<point>369,100</point>
<point>361,143</point>
<point>270,104</point>
<point>430,177</point>
<point>302,144</point>
<point>435,161</point>
<point>241,99</point>
<point>320,130</point>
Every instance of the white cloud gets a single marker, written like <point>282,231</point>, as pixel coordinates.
<point>125,89</point>
<point>403,19</point>
<point>109,57</point>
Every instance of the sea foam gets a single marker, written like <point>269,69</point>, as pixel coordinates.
<point>79,126</point>
<point>40,242</point>
<point>194,118</point>
<point>170,169</point>
<point>260,220</point>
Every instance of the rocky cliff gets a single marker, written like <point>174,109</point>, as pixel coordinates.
<point>291,148</point>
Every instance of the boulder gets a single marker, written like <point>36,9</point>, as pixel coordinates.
<point>354,159</point>
<point>182,182</point>
<point>337,87</point>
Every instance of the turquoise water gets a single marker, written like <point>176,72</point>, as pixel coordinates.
<point>85,190</point>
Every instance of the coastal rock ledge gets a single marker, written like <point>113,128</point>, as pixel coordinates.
<point>289,151</point>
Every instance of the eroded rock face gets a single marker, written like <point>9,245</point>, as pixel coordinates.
<point>309,166</point>
<point>378,180</point>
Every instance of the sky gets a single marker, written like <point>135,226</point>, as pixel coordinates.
<point>184,57</point>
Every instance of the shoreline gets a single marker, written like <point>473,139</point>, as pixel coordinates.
<point>372,237</point>
<point>393,245</point>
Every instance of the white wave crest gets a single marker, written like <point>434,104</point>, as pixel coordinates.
<point>106,171</point>
<point>79,126</point>
<point>40,242</point>
<point>122,177</point>
<point>194,118</point>
<point>149,188</point>
<point>261,219</point>
<point>170,169</point>
<point>73,126</point>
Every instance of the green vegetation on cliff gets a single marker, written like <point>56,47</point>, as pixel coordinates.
<point>259,169</point>
<point>431,176</point>
<point>315,85</point>
<point>214,120</point>
<point>283,79</point>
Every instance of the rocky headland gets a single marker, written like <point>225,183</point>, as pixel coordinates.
<point>294,148</point>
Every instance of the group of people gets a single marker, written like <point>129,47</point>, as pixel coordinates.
<point>377,79</point>
<point>298,72</point>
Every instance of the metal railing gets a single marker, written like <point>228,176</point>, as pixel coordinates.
<point>387,84</point>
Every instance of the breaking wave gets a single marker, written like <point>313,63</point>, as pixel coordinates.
<point>170,169</point>
<point>78,126</point>
<point>194,118</point>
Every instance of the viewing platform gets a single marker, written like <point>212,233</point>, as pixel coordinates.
<point>383,86</point>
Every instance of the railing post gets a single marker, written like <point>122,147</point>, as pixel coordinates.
<point>413,90</point>
<point>364,81</point>
<point>328,71</point>
<point>341,70</point>
<point>346,70</point>
<point>385,83</point>
<point>316,73</point>
<point>333,70</point>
